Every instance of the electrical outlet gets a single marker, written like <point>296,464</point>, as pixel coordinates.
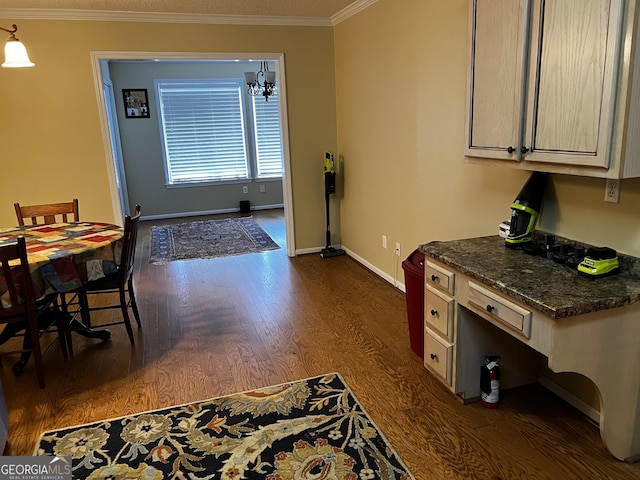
<point>245,189</point>
<point>612,191</point>
<point>384,241</point>
<point>398,249</point>
<point>262,188</point>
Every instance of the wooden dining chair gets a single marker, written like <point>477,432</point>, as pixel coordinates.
<point>19,310</point>
<point>48,213</point>
<point>119,282</point>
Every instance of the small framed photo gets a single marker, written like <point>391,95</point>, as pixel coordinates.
<point>136,103</point>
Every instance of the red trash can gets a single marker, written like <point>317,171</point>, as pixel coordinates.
<point>413,268</point>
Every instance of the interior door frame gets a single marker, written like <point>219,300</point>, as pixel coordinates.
<point>97,58</point>
<point>116,147</point>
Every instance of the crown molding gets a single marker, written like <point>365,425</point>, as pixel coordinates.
<point>157,17</point>
<point>350,11</point>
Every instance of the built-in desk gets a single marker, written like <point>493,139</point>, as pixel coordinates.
<point>482,298</point>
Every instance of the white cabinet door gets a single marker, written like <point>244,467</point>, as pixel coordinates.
<point>496,78</point>
<point>542,78</point>
<point>571,81</point>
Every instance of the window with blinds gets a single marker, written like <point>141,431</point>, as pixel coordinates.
<point>267,136</point>
<point>208,138</point>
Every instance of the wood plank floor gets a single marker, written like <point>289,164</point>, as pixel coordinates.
<point>214,327</point>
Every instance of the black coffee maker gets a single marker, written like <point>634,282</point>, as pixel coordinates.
<point>525,210</point>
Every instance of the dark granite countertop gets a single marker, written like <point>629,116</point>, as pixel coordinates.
<point>549,287</point>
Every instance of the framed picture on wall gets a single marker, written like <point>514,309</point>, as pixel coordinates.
<point>136,103</point>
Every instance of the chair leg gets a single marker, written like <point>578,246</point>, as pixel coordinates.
<point>37,353</point>
<point>125,314</point>
<point>27,345</point>
<point>134,305</point>
<point>64,325</point>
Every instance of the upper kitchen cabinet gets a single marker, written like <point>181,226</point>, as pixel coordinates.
<point>550,86</point>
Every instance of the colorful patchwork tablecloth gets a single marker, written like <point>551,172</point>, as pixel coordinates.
<point>64,256</point>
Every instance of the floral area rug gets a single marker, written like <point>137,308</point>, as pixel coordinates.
<point>308,429</point>
<point>208,239</point>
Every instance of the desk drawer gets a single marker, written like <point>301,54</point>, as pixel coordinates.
<point>498,307</point>
<point>438,311</point>
<point>439,276</point>
<point>438,355</point>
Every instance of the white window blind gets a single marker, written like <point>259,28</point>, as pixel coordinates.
<point>204,131</point>
<point>268,138</point>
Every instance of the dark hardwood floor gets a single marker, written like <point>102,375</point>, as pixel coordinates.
<point>214,327</point>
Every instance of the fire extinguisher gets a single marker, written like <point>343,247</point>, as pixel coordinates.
<point>490,381</point>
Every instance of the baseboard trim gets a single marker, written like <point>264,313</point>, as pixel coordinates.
<point>306,251</point>
<point>208,212</point>
<point>393,281</point>
<point>396,283</point>
<point>570,398</point>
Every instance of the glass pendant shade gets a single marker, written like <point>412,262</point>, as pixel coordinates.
<point>270,77</point>
<point>250,78</point>
<point>15,55</point>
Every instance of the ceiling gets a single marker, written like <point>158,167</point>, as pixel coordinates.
<point>276,8</point>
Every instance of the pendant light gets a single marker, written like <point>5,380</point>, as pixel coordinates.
<point>15,54</point>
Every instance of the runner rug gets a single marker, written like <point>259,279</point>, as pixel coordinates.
<point>308,429</point>
<point>208,239</point>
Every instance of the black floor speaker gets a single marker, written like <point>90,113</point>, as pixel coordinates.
<point>245,207</point>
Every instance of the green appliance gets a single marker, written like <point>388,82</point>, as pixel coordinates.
<point>599,262</point>
<point>525,210</point>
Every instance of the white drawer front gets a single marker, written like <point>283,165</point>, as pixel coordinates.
<point>438,355</point>
<point>438,311</point>
<point>437,275</point>
<point>496,306</point>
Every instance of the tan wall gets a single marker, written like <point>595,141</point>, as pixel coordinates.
<point>400,85</point>
<point>50,133</point>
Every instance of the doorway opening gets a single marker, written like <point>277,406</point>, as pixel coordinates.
<point>107,99</point>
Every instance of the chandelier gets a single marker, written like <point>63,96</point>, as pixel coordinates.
<point>262,82</point>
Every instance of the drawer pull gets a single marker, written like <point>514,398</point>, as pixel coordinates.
<point>433,356</point>
<point>434,313</point>
<point>437,275</point>
<point>490,308</point>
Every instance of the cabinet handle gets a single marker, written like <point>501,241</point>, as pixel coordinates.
<point>524,150</point>
<point>434,278</point>
<point>510,149</point>
<point>490,308</point>
<point>434,312</point>
<point>433,356</point>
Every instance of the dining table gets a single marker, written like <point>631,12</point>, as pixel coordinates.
<point>64,256</point>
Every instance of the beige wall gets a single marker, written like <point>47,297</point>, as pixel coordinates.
<point>50,132</point>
